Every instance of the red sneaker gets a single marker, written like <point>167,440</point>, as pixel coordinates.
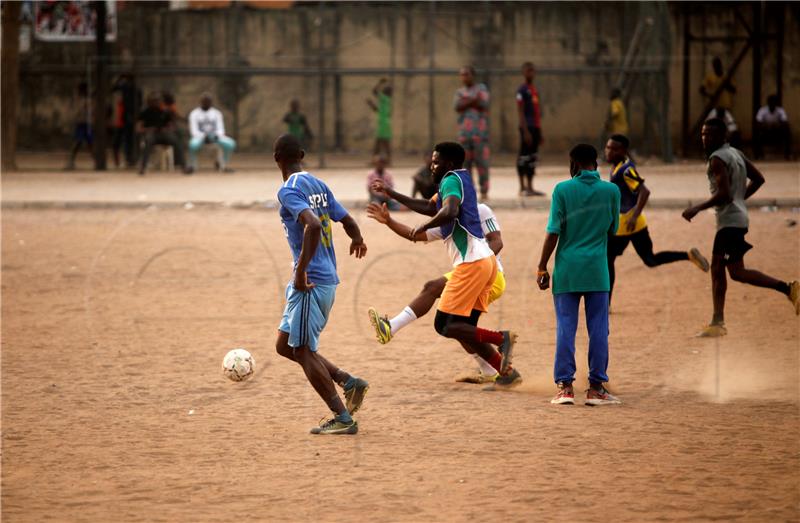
<point>600,397</point>
<point>565,396</point>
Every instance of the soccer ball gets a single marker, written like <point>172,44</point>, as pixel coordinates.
<point>238,365</point>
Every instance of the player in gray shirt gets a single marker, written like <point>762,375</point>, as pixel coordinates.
<point>728,174</point>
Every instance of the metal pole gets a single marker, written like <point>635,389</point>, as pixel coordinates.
<point>432,53</point>
<point>663,79</point>
<point>338,135</point>
<point>685,87</point>
<point>321,94</point>
<point>779,52</point>
<point>102,87</point>
<point>756,65</point>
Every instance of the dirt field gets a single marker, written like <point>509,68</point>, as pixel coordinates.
<point>114,324</point>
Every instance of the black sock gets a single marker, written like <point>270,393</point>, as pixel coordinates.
<point>784,288</point>
<point>341,377</point>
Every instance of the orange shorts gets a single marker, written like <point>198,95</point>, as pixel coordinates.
<point>469,287</point>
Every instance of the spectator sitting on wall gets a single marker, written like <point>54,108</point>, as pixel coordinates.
<point>155,128</point>
<point>772,128</point>
<point>423,179</point>
<point>380,173</point>
<point>177,120</point>
<point>734,136</point>
<point>298,125</point>
<point>82,131</point>
<point>206,126</point>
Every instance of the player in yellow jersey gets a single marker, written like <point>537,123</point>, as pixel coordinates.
<point>632,224</point>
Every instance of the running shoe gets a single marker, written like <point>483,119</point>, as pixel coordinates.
<point>715,330</point>
<point>507,381</point>
<point>354,395</point>
<point>506,350</point>
<point>565,396</point>
<point>596,397</point>
<point>333,426</point>
<point>794,296</point>
<point>383,331</point>
<point>698,259</point>
<point>477,377</point>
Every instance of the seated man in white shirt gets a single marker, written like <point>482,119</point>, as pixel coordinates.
<point>207,127</point>
<point>772,128</point>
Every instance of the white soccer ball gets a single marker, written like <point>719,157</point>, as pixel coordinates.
<point>238,365</point>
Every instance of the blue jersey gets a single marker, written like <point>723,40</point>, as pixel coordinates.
<point>303,191</point>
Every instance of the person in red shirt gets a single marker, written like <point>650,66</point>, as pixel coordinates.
<point>530,131</point>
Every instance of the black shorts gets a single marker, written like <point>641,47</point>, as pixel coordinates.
<point>730,244</point>
<point>533,148</point>
<point>618,244</point>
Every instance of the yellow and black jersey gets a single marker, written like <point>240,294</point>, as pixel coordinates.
<point>625,176</point>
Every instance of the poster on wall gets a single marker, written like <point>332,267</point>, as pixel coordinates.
<point>72,21</point>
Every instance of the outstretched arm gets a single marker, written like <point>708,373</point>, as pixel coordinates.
<point>722,196</point>
<point>357,245</point>
<point>426,207</point>
<point>755,177</point>
<point>380,213</point>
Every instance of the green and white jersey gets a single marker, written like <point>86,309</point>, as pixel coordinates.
<point>489,224</point>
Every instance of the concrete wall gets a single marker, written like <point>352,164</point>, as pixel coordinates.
<point>558,37</point>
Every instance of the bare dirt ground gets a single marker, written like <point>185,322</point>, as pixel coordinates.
<point>114,324</point>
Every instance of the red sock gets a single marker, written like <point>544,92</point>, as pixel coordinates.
<point>487,336</point>
<point>495,360</point>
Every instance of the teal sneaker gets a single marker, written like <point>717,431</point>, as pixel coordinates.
<point>354,395</point>
<point>333,426</point>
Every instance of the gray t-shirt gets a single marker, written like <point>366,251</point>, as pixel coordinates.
<point>733,213</point>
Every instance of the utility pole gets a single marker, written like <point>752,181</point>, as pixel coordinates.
<point>101,89</point>
<point>9,101</point>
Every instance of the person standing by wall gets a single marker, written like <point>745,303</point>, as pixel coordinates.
<point>530,131</point>
<point>382,105</point>
<point>617,119</point>
<point>297,124</point>
<point>713,81</point>
<point>82,133</point>
<point>472,105</point>
<point>131,102</point>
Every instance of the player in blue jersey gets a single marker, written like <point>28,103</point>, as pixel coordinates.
<point>307,211</point>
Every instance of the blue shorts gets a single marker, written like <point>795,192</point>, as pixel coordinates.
<point>306,314</point>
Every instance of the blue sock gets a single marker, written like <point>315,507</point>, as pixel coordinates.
<point>344,417</point>
<point>350,383</point>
